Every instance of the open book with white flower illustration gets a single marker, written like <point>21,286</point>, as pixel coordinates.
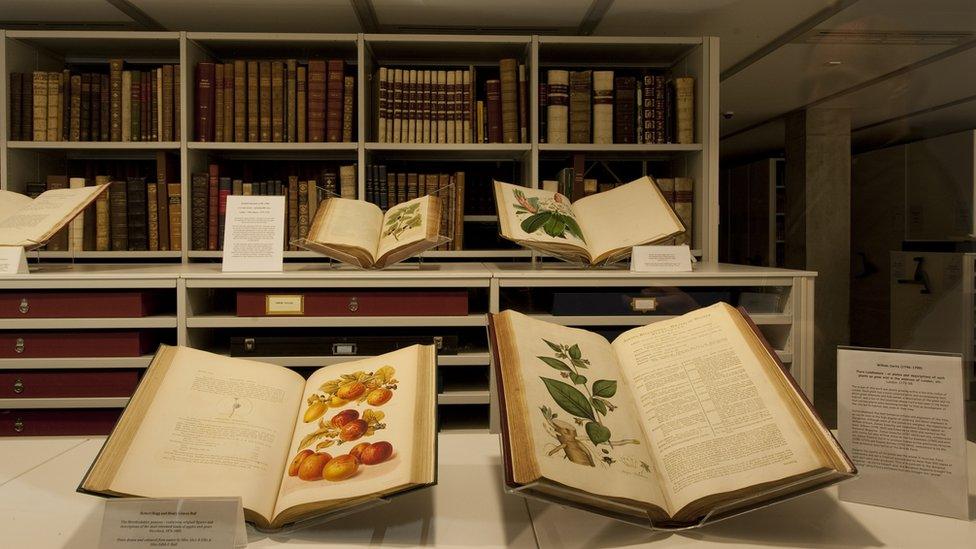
<point>596,229</point>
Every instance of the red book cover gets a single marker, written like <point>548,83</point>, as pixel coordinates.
<point>46,422</point>
<point>75,344</point>
<point>87,304</point>
<point>493,89</point>
<point>342,303</point>
<point>213,195</point>
<point>333,108</point>
<point>68,383</point>
<point>205,101</point>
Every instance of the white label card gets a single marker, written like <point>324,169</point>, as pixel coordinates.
<point>13,260</point>
<point>182,523</point>
<point>254,233</point>
<point>901,418</point>
<point>661,259</point>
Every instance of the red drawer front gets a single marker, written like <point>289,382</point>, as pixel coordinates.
<point>82,343</point>
<point>362,303</point>
<point>68,383</point>
<point>70,304</point>
<point>73,421</point>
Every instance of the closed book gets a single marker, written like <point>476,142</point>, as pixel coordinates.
<point>685,109</point>
<point>303,220</point>
<point>684,198</point>
<point>240,101</point>
<point>494,107</point>
<point>543,111</point>
<point>370,303</point>
<point>213,200</point>
<point>115,98</point>
<point>401,187</point>
<point>162,213</point>
<point>316,90</point>
<point>557,122</point>
<point>333,108</point>
<point>228,105</point>
<point>301,105</point>
<point>217,111</point>
<point>411,117</point>
<point>508,70</point>
<point>397,107</point>
<point>293,211</point>
<point>412,186</point>
<point>177,105</point>
<point>427,115</point>
<point>27,107</point>
<point>105,109</point>
<point>291,90</point>
<point>84,109</point>
<point>347,181</point>
<point>646,100</point>
<point>118,216</point>
<point>313,200</point>
<point>103,223</point>
<point>441,107</point>
<point>199,199</point>
<point>450,107</point>
<point>40,80</point>
<point>603,107</point>
<point>382,107</point>
<point>624,113</point>
<point>145,116</point>
<point>135,105</point>
<point>670,116</point>
<point>458,212</point>
<point>16,104</point>
<point>391,190</point>
<point>659,85</point>
<point>152,217</point>
<point>459,106</point>
<point>224,186</point>
<point>348,104</point>
<point>175,216</point>
<point>523,99</point>
<point>253,103</point>
<point>168,94</point>
<point>136,213</point>
<point>580,95</point>
<point>54,93</point>
<point>74,112</point>
<point>330,182</point>
<point>64,103</point>
<point>153,132</point>
<point>76,228</point>
<point>277,102</point>
<point>264,101</point>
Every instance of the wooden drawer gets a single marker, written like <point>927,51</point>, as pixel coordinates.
<point>358,303</point>
<point>41,422</point>
<point>68,383</point>
<point>80,343</point>
<point>75,304</point>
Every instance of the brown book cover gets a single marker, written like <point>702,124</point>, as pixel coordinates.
<point>277,101</point>
<point>580,93</point>
<point>391,189</point>
<point>264,101</point>
<point>27,108</point>
<point>177,105</point>
<point>115,97</point>
<point>162,208</point>
<point>579,171</point>
<point>16,106</point>
<point>333,107</point>
<point>301,104</point>
<point>523,99</point>
<point>88,221</point>
<point>153,105</point>
<point>54,93</point>
<point>213,194</point>
<point>64,104</point>
<point>105,109</point>
<point>144,115</point>
<point>685,109</point>
<point>494,108</point>
<point>292,211</point>
<point>218,103</point>
<point>508,70</point>
<point>624,111</point>
<point>168,92</point>
<point>175,217</point>
<point>291,90</point>
<point>152,217</point>
<point>95,109</point>
<point>240,101</point>
<point>118,216</point>
<point>316,100</point>
<point>413,186</point>
<point>302,198</point>
<point>199,202</point>
<point>458,236</point>
<point>348,103</point>
<point>205,101</point>
<point>228,105</point>
<point>603,107</point>
<point>85,108</point>
<point>74,117</point>
<point>39,116</point>
<point>253,110</point>
<point>103,241</point>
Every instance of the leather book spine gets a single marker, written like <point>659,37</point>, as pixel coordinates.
<point>152,217</point>
<point>218,103</point>
<point>411,106</point>
<point>558,108</point>
<point>508,70</point>
<point>175,216</point>
<point>401,188</point>
<point>40,105</point>
<point>76,228</point>
<point>348,104</point>
<point>125,105</point>
<point>177,105</point>
<point>135,191</point>
<point>670,133</point>
<point>253,107</point>
<point>277,102</point>
<point>145,116</point>
<point>412,186</point>
<point>115,98</point>
<point>168,103</point>
<point>450,106</point>
<point>579,171</point>
<point>523,98</point>
<point>301,105</point>
<point>458,233</point>
<point>459,106</point>
<point>603,107</point>
<point>381,110</point>
<point>333,108</point>
<point>16,104</point>
<point>153,105</point>
<point>659,85</point>
<point>74,122</point>
<point>313,201</point>
<point>199,200</point>
<point>240,101</point>
<point>88,216</point>
<point>543,112</point>
<point>316,100</point>
<point>213,195</point>
<point>118,216</point>
<point>105,109</point>
<point>291,89</point>
<point>228,105</point>
<point>397,103</point>
<point>103,224</point>
<point>64,105</point>
<point>390,187</point>
<point>85,108</point>
<point>494,99</point>
<point>54,93</point>
<point>58,242</point>
<point>347,181</point>
<point>135,107</point>
<point>302,209</point>
<point>429,123</point>
<point>292,211</point>
<point>27,107</point>
<point>684,197</point>
<point>647,108</point>
<point>685,109</point>
<point>264,101</point>
<point>580,92</point>
<point>94,110</point>
<point>625,98</point>
<point>223,191</point>
<point>162,214</point>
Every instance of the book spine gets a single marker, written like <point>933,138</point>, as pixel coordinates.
<point>380,188</point>
<point>84,108</point>
<point>333,109</point>
<point>558,109</point>
<point>177,105</point>
<point>103,225</point>
<point>213,199</point>
<point>427,114</point>
<point>240,101</point>
<point>302,210</point>
<point>264,101</point>
<point>40,105</point>
<point>253,107</point>
<point>494,100</point>
<point>348,104</point>
<point>291,90</point>
<point>603,107</point>
<point>136,213</point>
<point>458,212</point>
<point>152,214</point>
<point>115,99</point>
<point>162,214</point>
<point>313,201</point>
<point>658,97</point>
<point>450,103</point>
<point>580,91</point>
<point>647,108</point>
<point>347,181</point>
<point>16,104</point>
<point>381,111</point>
<point>391,189</point>
<point>413,190</point>
<point>301,105</point>
<point>230,83</point>
<point>54,105</point>
<point>175,216</point>
<point>74,112</point>
<point>543,111</point>
<point>217,112</point>
<point>153,105</point>
<point>167,103</point>
<point>125,105</point>
<point>685,109</point>
<point>223,191</point>
<point>64,105</point>
<point>459,106</point>
<point>88,223</point>
<point>412,108</point>
<point>76,228</point>
<point>625,98</point>
<point>316,100</point>
<point>135,116</point>
<point>27,108</point>
<point>397,106</point>
<point>523,99</point>
<point>439,106</point>
<point>199,200</point>
<point>145,116</point>
<point>292,211</point>
<point>105,108</point>
<point>508,70</point>
<point>277,101</point>
<point>118,216</point>
<point>684,197</point>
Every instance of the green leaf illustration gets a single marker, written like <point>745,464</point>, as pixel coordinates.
<point>532,223</point>
<point>553,346</point>
<point>556,363</point>
<point>569,398</point>
<point>597,433</point>
<point>605,388</point>
<point>579,363</point>
<point>574,352</point>
<point>599,406</point>
<point>534,201</point>
<point>578,379</point>
<point>554,227</point>
<point>573,228</point>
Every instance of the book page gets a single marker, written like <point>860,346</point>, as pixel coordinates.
<point>45,215</point>
<point>218,426</point>
<point>537,215</point>
<point>631,214</point>
<point>11,203</point>
<point>348,223</point>
<point>406,224</point>
<point>564,396</point>
<point>714,416</point>
<point>343,408</point>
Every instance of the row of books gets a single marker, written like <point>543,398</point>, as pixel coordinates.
<point>274,101</point>
<point>134,215</point>
<point>209,192</point>
<point>386,189</point>
<point>118,106</point>
<point>605,107</point>
<point>442,106</point>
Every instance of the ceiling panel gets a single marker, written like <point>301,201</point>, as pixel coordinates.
<point>941,122</point>
<point>765,140</point>
<point>743,26</point>
<point>895,15</point>
<point>322,16</point>
<point>52,11</point>
<point>537,14</point>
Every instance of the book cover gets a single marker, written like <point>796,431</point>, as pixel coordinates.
<point>175,216</point>
<point>333,109</point>
<point>74,112</point>
<point>152,217</point>
<point>213,200</point>
<point>54,94</point>
<point>240,101</point>
<point>105,109</point>
<point>218,102</point>
<point>348,107</point>
<point>685,109</point>
<point>316,90</point>
<point>278,103</point>
<point>103,223</point>
<point>382,107</point>
<point>118,216</point>
<point>115,98</point>
<point>264,101</point>
<point>253,110</point>
<point>199,202</point>
<point>230,83</point>
<point>603,107</point>
<point>494,108</point>
<point>557,111</point>
<point>625,107</point>
<point>162,214</point>
<point>136,213</point>
<point>301,105</point>
<point>523,98</point>
<point>16,106</point>
<point>40,95</point>
<point>508,70</point>
<point>205,101</point>
<point>580,94</point>
<point>291,91</point>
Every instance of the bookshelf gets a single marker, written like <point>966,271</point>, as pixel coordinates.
<point>527,163</point>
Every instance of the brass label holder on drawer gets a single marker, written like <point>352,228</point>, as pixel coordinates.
<point>643,304</point>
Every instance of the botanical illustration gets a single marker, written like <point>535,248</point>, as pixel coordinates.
<point>347,425</point>
<point>550,215</point>
<point>402,219</point>
<point>586,403</point>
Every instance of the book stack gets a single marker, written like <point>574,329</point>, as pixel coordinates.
<point>600,106</point>
<point>386,189</point>
<point>274,101</point>
<point>445,106</point>
<point>209,192</point>
<point>118,105</point>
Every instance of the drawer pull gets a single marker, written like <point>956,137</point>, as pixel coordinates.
<point>353,304</point>
<point>438,342</point>
<point>19,386</point>
<point>24,306</point>
<point>347,349</point>
<point>643,304</point>
<point>18,425</point>
<point>19,345</point>
<point>249,344</point>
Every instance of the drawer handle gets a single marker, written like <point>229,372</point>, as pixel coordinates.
<point>19,386</point>
<point>353,304</point>
<point>19,345</point>
<point>24,306</point>
<point>249,344</point>
<point>19,425</point>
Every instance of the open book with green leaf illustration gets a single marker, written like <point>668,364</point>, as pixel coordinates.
<point>358,232</point>
<point>599,228</point>
<point>675,423</point>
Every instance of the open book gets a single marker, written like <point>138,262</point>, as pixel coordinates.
<point>202,424</point>
<point>599,228</point>
<point>359,233</point>
<point>30,222</point>
<point>673,422</point>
